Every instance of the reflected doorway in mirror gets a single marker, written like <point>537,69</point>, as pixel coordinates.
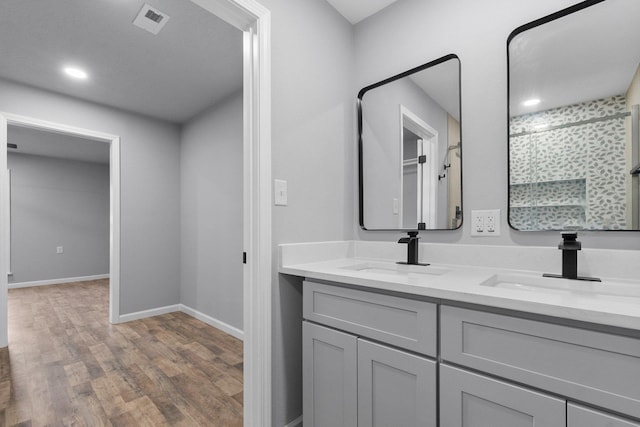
<point>419,151</point>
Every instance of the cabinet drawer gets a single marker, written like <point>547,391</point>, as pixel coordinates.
<point>595,367</point>
<point>579,416</point>
<point>401,322</point>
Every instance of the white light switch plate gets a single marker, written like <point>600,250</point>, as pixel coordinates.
<point>280,192</point>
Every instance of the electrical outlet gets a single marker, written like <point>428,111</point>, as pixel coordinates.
<point>477,226</point>
<point>59,250</point>
<point>492,222</point>
<point>489,223</point>
<point>485,223</point>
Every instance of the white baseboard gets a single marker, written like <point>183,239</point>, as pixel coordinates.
<point>148,313</point>
<point>224,327</point>
<point>295,423</point>
<point>57,281</point>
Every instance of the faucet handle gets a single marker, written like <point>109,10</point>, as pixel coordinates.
<point>570,242</point>
<point>413,235</point>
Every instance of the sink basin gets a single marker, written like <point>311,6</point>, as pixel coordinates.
<point>396,269</point>
<point>620,291</point>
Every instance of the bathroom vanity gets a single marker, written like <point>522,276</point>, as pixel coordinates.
<point>480,338</point>
<point>459,345</point>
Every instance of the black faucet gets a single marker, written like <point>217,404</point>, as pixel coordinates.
<point>570,247</point>
<point>412,248</point>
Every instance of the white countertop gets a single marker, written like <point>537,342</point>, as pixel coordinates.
<point>569,299</point>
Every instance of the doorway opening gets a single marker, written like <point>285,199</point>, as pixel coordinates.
<point>89,137</point>
<point>254,22</point>
<point>59,193</point>
<point>418,178</point>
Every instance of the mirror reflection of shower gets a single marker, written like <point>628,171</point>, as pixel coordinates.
<point>574,87</point>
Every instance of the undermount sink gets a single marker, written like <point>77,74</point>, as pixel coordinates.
<point>620,291</point>
<point>396,269</point>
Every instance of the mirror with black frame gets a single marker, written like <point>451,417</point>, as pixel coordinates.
<point>410,156</point>
<point>574,91</point>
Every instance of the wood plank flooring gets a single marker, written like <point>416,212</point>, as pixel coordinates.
<point>70,367</point>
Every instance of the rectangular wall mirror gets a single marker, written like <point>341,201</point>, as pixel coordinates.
<point>574,91</point>
<point>410,155</point>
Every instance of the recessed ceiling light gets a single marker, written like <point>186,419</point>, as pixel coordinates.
<point>76,73</point>
<point>531,102</point>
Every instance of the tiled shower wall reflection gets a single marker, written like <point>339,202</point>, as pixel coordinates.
<point>573,177</point>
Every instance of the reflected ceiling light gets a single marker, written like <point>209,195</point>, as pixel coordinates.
<point>541,125</point>
<point>531,102</point>
<point>76,73</point>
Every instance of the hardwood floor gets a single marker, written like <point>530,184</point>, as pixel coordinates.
<point>70,366</point>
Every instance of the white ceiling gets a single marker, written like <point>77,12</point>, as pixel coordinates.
<point>357,10</point>
<point>195,60</point>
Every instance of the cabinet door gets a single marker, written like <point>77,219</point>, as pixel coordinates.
<point>472,400</point>
<point>580,416</point>
<point>329,377</point>
<point>395,388</point>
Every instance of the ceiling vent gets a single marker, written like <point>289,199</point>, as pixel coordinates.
<point>151,19</point>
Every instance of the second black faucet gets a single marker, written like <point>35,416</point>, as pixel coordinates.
<point>570,247</point>
<point>412,248</point>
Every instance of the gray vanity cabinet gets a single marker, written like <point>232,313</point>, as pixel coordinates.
<point>371,360</point>
<point>351,381</point>
<point>580,416</point>
<point>471,400</point>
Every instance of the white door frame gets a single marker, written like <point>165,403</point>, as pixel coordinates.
<point>255,22</point>
<point>4,233</point>
<point>428,182</point>
<point>8,119</point>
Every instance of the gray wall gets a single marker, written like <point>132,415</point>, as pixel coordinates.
<point>58,202</point>
<point>211,212</point>
<point>411,32</point>
<point>150,189</point>
<point>313,142</point>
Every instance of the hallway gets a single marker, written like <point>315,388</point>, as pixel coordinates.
<point>69,366</point>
